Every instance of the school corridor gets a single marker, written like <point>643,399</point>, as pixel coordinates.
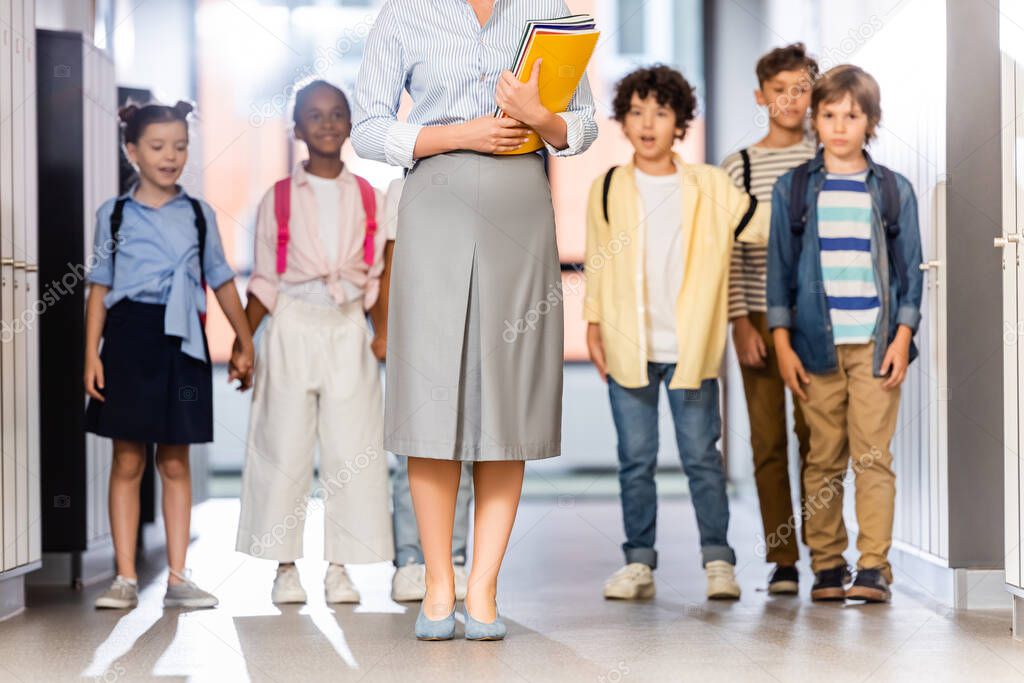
<point>951,80</point>
<point>560,628</point>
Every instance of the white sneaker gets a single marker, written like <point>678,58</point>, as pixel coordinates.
<point>287,586</point>
<point>338,587</point>
<point>722,581</point>
<point>122,594</point>
<point>461,582</point>
<point>409,583</point>
<point>635,581</point>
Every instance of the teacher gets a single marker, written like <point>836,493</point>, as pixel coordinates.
<point>474,352</point>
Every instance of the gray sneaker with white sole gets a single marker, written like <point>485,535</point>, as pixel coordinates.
<point>187,594</point>
<point>122,594</point>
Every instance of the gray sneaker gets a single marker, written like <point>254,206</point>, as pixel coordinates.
<point>188,594</point>
<point>120,595</point>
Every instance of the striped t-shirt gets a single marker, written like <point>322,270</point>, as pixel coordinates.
<point>844,233</point>
<point>748,268</point>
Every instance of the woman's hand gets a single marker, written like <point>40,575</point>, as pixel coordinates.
<point>491,135</point>
<point>897,358</point>
<point>379,346</point>
<point>521,100</point>
<point>94,382</point>
<point>596,348</point>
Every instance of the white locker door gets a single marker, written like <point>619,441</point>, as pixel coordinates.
<point>32,281</point>
<point>1011,133</point>
<point>19,87</point>
<point>7,421</point>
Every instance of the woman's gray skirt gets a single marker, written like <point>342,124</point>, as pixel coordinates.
<point>474,350</point>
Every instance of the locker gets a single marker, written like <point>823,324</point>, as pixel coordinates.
<point>32,283</point>
<point>7,418</point>
<point>19,87</point>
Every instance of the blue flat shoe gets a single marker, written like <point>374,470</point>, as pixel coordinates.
<point>440,629</point>
<point>478,630</point>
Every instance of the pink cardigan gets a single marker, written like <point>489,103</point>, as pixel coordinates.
<point>306,258</point>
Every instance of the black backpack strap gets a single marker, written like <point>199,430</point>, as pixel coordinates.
<point>751,208</point>
<point>197,210</point>
<point>798,216</point>
<point>604,191</point>
<point>745,156</point>
<point>116,218</point>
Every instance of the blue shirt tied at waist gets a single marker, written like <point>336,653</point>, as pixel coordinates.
<point>157,261</point>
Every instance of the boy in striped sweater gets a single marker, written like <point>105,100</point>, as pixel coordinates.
<point>844,299</point>
<point>785,76</point>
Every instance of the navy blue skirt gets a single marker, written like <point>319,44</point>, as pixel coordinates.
<point>154,393</point>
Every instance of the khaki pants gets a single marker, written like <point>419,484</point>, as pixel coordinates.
<point>766,406</point>
<point>850,415</point>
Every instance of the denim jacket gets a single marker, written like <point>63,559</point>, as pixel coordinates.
<point>805,310</point>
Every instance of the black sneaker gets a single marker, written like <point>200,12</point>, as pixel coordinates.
<point>870,586</point>
<point>784,581</point>
<point>830,584</point>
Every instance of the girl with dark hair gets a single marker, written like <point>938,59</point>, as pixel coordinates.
<point>316,273</point>
<point>156,248</point>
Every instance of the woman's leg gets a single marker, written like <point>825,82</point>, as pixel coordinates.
<point>175,476</point>
<point>126,470</point>
<point>497,487</point>
<point>434,485</point>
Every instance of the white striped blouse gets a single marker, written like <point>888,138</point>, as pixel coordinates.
<point>437,50</point>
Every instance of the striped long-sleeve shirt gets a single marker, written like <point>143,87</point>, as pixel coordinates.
<point>749,265</point>
<point>450,65</point>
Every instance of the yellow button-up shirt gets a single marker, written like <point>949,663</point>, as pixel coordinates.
<point>711,208</point>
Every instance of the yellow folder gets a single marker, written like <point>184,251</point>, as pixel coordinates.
<point>565,58</point>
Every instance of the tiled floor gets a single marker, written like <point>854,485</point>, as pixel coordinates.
<point>561,630</point>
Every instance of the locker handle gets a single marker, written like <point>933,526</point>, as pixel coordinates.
<point>19,264</point>
<point>7,261</point>
<point>928,265</point>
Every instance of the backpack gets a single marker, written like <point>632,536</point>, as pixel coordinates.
<point>890,216</point>
<point>117,216</point>
<point>282,211</point>
<point>743,221</point>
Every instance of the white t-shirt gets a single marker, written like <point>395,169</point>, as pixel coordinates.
<point>328,208</point>
<point>663,262</point>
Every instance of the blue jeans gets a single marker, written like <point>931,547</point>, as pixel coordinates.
<point>407,534</point>
<point>698,423</point>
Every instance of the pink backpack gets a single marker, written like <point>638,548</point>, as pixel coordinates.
<point>283,210</point>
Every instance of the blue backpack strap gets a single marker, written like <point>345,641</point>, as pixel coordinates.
<point>604,191</point>
<point>798,216</point>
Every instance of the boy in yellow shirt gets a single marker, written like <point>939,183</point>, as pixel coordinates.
<point>659,240</point>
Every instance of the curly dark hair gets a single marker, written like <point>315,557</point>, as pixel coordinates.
<point>669,88</point>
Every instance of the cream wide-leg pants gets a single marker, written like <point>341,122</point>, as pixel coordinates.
<point>316,382</point>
